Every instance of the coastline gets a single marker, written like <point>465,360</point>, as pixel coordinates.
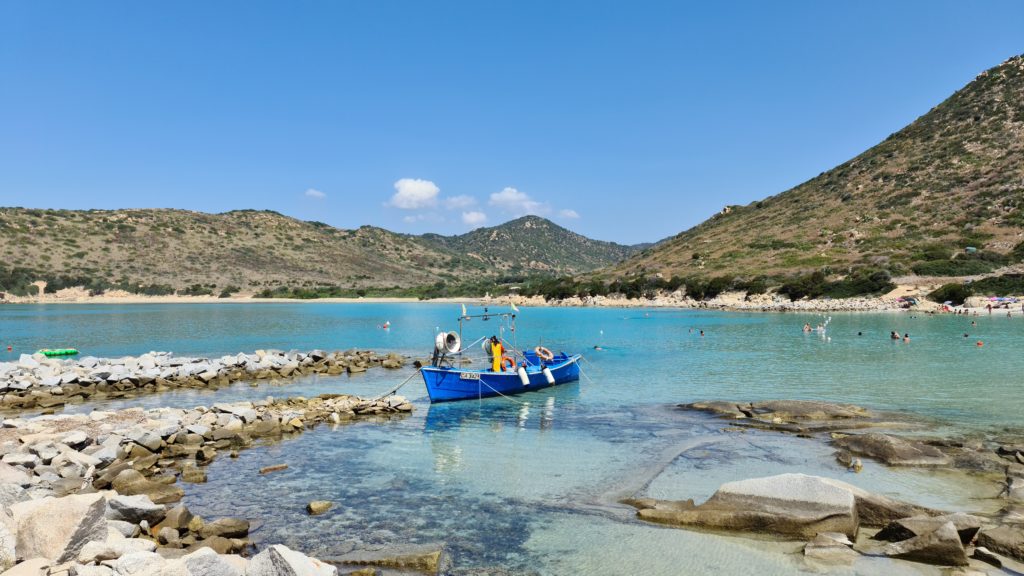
<point>728,301</point>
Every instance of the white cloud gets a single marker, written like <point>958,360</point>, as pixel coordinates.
<point>568,213</point>
<point>314,193</point>
<point>474,218</point>
<point>414,194</point>
<point>423,217</point>
<point>459,202</point>
<point>518,203</point>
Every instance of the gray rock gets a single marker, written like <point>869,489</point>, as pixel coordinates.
<point>1006,540</point>
<point>12,475</point>
<point>8,547</point>
<point>905,528</point>
<point>941,546</point>
<point>983,554</point>
<point>134,509</point>
<point>279,560</point>
<point>11,494</point>
<point>894,451</point>
<point>114,548</point>
<point>76,439</point>
<point>145,438</point>
<point>58,528</point>
<point>126,529</point>
<point>831,547</point>
<point>795,505</point>
<point>878,510</point>
<point>84,570</point>
<point>206,562</point>
<point>139,563</point>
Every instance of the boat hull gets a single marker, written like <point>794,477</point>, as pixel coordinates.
<point>451,384</point>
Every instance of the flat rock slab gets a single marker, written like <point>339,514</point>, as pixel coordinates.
<point>893,451</point>
<point>425,558</point>
<point>787,505</point>
<point>279,560</point>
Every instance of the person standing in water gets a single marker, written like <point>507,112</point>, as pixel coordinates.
<point>497,351</point>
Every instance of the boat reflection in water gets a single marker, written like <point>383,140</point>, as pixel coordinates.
<point>454,428</point>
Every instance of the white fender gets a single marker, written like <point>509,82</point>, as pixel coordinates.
<point>523,377</point>
<point>548,375</point>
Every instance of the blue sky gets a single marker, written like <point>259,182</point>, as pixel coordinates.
<point>624,121</point>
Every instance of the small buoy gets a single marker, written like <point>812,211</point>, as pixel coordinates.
<point>980,343</point>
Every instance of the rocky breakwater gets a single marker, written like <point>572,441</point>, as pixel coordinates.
<point>89,494</point>
<point>843,522</point>
<point>35,381</point>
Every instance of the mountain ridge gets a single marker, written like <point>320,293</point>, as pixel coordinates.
<point>254,250</point>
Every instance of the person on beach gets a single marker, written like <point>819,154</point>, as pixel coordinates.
<point>497,350</point>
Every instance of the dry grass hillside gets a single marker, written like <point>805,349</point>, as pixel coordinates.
<point>255,250</point>
<point>952,179</point>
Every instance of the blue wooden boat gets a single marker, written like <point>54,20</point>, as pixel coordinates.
<point>447,378</point>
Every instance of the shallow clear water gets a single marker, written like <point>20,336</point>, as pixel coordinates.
<point>532,484</point>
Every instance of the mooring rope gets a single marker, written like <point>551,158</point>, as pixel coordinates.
<point>509,398</point>
<point>397,388</point>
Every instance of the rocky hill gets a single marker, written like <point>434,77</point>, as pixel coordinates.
<point>532,244</point>
<point>254,250</point>
<point>951,180</point>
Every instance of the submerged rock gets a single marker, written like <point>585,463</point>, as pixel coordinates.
<point>831,547</point>
<point>893,451</point>
<point>791,505</point>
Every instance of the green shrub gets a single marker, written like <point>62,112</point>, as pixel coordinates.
<point>955,267</point>
<point>955,293</point>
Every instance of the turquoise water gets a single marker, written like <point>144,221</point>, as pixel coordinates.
<point>532,484</point>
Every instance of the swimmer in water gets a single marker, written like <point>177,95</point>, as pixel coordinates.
<point>807,326</point>
<point>906,337</point>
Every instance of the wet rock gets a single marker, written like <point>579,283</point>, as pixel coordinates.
<point>941,546</point>
<point>226,527</point>
<point>795,505</point>
<point>428,559</point>
<point>1006,540</point>
<point>193,475</point>
<point>58,528</point>
<point>831,547</point>
<point>274,468</point>
<point>131,482</point>
<point>134,509</point>
<point>893,451</point>
<point>178,518</point>
<point>279,560</point>
<point>983,554</point>
<point>877,510</point>
<point>318,507</point>
<point>967,527</point>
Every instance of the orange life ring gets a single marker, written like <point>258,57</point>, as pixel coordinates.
<point>543,353</point>
<point>507,363</point>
